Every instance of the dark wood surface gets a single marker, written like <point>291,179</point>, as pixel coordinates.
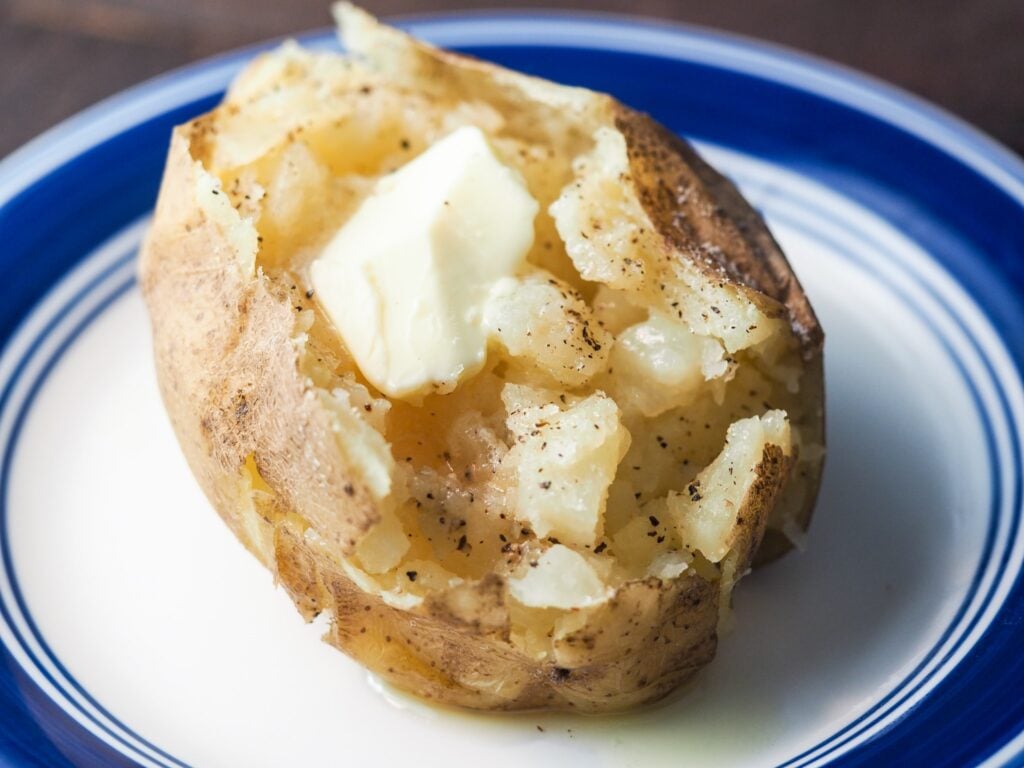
<point>58,56</point>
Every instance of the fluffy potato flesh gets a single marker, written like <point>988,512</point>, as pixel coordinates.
<point>565,528</point>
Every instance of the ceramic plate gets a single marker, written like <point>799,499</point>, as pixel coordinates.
<point>136,630</point>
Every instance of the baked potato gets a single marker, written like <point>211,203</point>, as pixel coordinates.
<point>562,526</point>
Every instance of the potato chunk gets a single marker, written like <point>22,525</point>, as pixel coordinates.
<point>365,447</point>
<point>660,364</point>
<point>614,310</point>
<point>705,515</point>
<point>384,546</point>
<point>611,239</point>
<point>607,235</point>
<point>559,578</point>
<point>547,324</point>
<point>565,457</point>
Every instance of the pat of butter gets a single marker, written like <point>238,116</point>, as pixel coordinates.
<point>406,279</point>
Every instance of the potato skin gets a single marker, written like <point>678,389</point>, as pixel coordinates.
<point>711,211</point>
<point>228,368</point>
<point>229,375</point>
<point>644,643</point>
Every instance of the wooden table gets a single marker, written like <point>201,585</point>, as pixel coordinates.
<point>58,56</point>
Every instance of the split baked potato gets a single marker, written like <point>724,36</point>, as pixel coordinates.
<point>561,529</point>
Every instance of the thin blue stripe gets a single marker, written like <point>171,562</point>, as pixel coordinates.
<point>6,553</point>
<point>90,287</point>
<point>883,707</point>
<point>880,708</point>
<point>1015,507</point>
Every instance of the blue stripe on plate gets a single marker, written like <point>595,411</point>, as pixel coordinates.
<point>8,453</point>
<point>905,690</point>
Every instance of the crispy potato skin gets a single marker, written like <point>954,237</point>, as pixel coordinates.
<point>229,375</point>
<point>228,370</point>
<point>693,206</point>
<point>645,642</point>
